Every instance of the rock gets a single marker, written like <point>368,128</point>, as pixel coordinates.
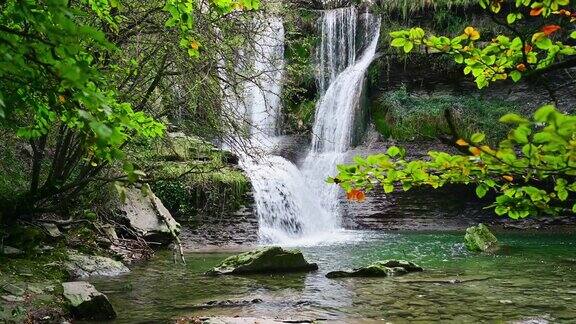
<point>264,260</point>
<point>110,232</point>
<point>146,214</point>
<point>379,269</point>
<point>8,250</point>
<point>52,230</point>
<point>226,303</point>
<point>13,289</point>
<point>82,266</point>
<point>13,299</point>
<point>480,239</point>
<point>86,302</point>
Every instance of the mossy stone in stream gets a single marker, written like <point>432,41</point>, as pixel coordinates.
<point>265,260</point>
<point>480,239</point>
<point>379,269</point>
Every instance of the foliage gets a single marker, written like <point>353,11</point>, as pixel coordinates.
<point>402,115</point>
<point>531,171</point>
<point>299,88</point>
<point>79,81</point>
<point>523,52</point>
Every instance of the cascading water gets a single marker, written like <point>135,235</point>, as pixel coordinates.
<point>296,206</point>
<point>335,112</point>
<point>337,48</point>
<point>286,207</point>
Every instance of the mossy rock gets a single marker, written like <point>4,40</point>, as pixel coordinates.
<point>480,239</point>
<point>266,260</point>
<point>378,269</point>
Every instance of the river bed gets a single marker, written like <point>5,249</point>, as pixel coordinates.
<point>532,277</point>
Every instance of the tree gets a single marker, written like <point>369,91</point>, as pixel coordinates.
<point>533,170</point>
<point>78,90</point>
<point>544,43</point>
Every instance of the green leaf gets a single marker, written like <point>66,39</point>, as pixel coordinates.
<point>512,118</point>
<point>515,75</point>
<point>388,188</point>
<point>398,42</point>
<point>481,190</point>
<point>393,151</point>
<point>541,115</point>
<point>573,34</point>
<point>511,18</point>
<point>408,47</point>
<point>544,43</point>
<point>477,137</point>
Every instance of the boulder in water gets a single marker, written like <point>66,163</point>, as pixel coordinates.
<point>379,269</point>
<point>480,239</point>
<point>86,302</point>
<point>264,260</point>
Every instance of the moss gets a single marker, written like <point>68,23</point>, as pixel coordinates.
<point>37,272</point>
<point>408,116</point>
<point>299,92</point>
<point>193,179</point>
<point>264,260</point>
<point>480,239</point>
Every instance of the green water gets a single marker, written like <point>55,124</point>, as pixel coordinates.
<point>534,276</point>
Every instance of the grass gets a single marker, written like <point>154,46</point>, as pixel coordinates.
<point>409,6</point>
<point>402,115</point>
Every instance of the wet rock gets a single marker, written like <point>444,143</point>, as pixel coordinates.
<point>265,260</point>
<point>227,303</point>
<point>82,266</point>
<point>378,269</point>
<point>480,239</point>
<point>86,302</point>
<point>146,215</point>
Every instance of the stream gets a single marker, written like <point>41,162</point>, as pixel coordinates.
<point>532,277</point>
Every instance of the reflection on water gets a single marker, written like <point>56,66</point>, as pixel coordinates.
<point>535,276</point>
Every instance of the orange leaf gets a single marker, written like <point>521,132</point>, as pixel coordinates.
<point>521,67</point>
<point>356,195</point>
<point>462,142</point>
<point>527,48</point>
<point>350,195</point>
<point>508,178</point>
<point>550,29</point>
<point>536,11</point>
<point>475,151</point>
<point>472,33</point>
<point>61,99</point>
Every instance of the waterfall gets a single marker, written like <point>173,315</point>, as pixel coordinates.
<point>296,205</point>
<point>337,48</point>
<point>333,128</point>
<point>286,207</point>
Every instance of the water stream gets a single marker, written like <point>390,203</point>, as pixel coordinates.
<point>534,276</point>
